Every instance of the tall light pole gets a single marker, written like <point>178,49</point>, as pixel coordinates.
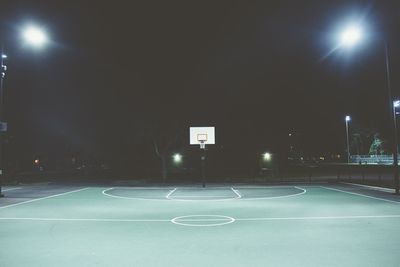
<point>35,37</point>
<point>3,126</point>
<point>393,105</point>
<point>351,36</point>
<point>347,119</point>
<point>396,104</point>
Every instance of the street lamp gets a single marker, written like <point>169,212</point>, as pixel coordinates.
<point>347,119</point>
<point>351,36</point>
<point>396,104</point>
<point>3,126</point>
<point>267,156</point>
<point>35,37</point>
<point>177,158</point>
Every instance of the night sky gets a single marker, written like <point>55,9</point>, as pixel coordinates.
<point>119,74</point>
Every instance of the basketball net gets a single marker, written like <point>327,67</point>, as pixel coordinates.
<point>202,145</point>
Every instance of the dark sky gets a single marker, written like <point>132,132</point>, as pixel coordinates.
<point>118,73</point>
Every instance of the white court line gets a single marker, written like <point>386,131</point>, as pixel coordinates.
<point>263,187</point>
<point>104,192</point>
<point>236,192</point>
<point>144,188</point>
<point>182,218</point>
<point>321,218</point>
<point>361,195</point>
<point>203,220</point>
<point>254,198</point>
<point>37,199</point>
<point>285,196</point>
<point>180,198</point>
<point>10,189</point>
<point>188,196</point>
<point>170,193</point>
<point>191,220</point>
<point>383,189</point>
<point>82,219</point>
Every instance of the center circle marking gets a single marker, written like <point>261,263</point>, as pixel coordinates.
<point>202,220</point>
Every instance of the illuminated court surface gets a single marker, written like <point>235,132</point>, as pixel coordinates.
<point>291,225</point>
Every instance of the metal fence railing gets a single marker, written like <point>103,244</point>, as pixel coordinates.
<point>372,159</point>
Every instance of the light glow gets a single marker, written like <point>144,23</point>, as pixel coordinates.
<point>351,36</point>
<point>396,103</point>
<point>348,118</point>
<point>267,156</point>
<point>177,158</point>
<point>35,36</point>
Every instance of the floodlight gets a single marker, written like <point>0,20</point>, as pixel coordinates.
<point>267,156</point>
<point>35,36</point>
<point>3,56</point>
<point>350,36</point>
<point>177,158</point>
<point>348,118</point>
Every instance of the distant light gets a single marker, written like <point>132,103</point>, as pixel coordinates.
<point>267,156</point>
<point>350,36</point>
<point>36,161</point>
<point>348,118</point>
<point>4,56</point>
<point>290,134</point>
<point>396,103</point>
<point>177,158</point>
<point>35,36</point>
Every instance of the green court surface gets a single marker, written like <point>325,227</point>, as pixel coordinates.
<point>290,225</point>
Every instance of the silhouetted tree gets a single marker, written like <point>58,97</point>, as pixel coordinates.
<point>164,137</point>
<point>377,145</point>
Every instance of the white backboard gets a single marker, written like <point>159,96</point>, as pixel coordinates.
<point>207,134</point>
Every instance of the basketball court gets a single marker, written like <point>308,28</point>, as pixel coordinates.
<point>220,225</point>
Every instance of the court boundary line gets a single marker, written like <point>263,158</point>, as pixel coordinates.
<point>378,188</point>
<point>358,194</point>
<point>11,189</point>
<point>81,219</point>
<point>42,198</point>
<point>342,217</point>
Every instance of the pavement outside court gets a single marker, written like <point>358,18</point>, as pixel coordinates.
<point>288,225</point>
